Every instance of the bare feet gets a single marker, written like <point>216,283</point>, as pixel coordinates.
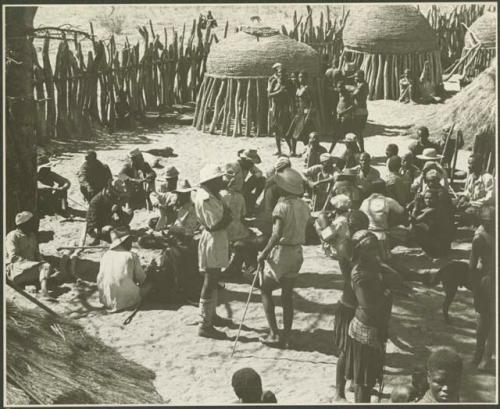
<point>271,339</point>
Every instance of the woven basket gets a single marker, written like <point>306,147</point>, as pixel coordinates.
<point>484,29</point>
<point>388,29</point>
<point>253,55</point>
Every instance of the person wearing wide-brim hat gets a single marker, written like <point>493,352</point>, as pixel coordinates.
<point>121,278</point>
<point>164,199</point>
<point>24,264</point>
<point>351,152</point>
<point>140,180</point>
<point>429,154</point>
<point>213,247</point>
<point>319,178</point>
<point>186,222</point>
<point>282,258</point>
<point>52,191</point>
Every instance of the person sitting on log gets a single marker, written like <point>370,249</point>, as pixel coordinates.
<point>121,280</point>
<point>391,150</point>
<point>313,151</point>
<point>248,178</point>
<point>93,176</point>
<point>24,264</point>
<point>426,87</point>
<point>247,386</point>
<point>105,212</point>
<point>423,142</point>
<point>406,91</point>
<point>52,192</point>
<point>397,187</point>
<point>122,110</point>
<point>139,180</point>
<point>280,96</point>
<point>351,154</point>
<point>479,191</point>
<point>366,174</point>
<point>320,179</point>
<point>444,376</point>
<point>164,199</point>
<point>283,254</point>
<point>360,112</point>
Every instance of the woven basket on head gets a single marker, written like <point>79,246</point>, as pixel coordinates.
<point>253,55</point>
<point>388,29</point>
<point>484,30</point>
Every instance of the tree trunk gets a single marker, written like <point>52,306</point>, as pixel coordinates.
<point>20,127</point>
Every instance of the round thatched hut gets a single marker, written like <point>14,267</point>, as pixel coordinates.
<point>233,96</point>
<point>384,40</point>
<point>480,45</point>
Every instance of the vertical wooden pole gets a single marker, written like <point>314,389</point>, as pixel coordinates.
<point>237,119</point>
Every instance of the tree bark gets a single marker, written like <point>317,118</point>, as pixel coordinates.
<point>21,171</point>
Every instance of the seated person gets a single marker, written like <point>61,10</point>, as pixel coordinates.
<point>24,265</point>
<point>397,188</point>
<point>122,110</point>
<point>351,153</point>
<point>406,91</point>
<point>313,151</point>
<point>345,184</point>
<point>391,150</point>
<point>247,386</point>
<point>431,179</point>
<point>52,192</point>
<point>105,212</point>
<point>93,176</point>
<point>408,171</point>
<point>121,280</point>
<point>366,174</point>
<point>444,375</point>
<point>423,142</point>
<point>479,191</point>
<point>320,178</point>
<point>164,200</point>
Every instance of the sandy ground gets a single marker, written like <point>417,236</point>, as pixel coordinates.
<point>193,370</point>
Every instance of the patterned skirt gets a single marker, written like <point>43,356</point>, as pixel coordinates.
<point>342,319</point>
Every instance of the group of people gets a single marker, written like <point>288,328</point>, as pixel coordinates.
<point>239,221</point>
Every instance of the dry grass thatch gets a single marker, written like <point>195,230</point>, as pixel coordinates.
<point>470,110</point>
<point>388,29</point>
<point>484,30</point>
<point>253,55</point>
<point>70,367</point>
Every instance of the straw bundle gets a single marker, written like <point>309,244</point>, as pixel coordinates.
<point>70,366</point>
<point>471,109</point>
<point>233,96</point>
<point>484,30</point>
<point>384,40</point>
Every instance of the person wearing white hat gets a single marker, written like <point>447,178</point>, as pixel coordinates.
<point>121,276</point>
<point>139,180</point>
<point>52,192</point>
<point>280,97</point>
<point>164,199</point>
<point>423,142</point>
<point>24,264</point>
<point>320,178</point>
<point>351,154</point>
<point>282,258</point>
<point>213,247</point>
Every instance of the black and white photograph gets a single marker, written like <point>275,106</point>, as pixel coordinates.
<point>250,203</point>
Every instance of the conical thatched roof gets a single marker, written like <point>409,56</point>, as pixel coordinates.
<point>484,29</point>
<point>388,29</point>
<point>253,55</point>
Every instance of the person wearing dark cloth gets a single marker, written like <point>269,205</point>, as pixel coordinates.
<point>444,375</point>
<point>52,192</point>
<point>368,330</point>
<point>279,93</point>
<point>356,220</point>
<point>139,180</point>
<point>345,110</point>
<point>396,185</point>
<point>313,151</point>
<point>391,150</point>
<point>247,385</point>
<point>105,212</point>
<point>306,116</point>
<point>283,254</point>
<point>482,277</point>
<point>406,89</point>
<point>122,110</point>
<point>93,176</point>
<point>332,76</point>
<point>423,142</point>
<point>360,113</point>
<point>351,154</point>
<point>408,171</point>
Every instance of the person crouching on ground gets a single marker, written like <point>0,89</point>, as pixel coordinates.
<point>444,375</point>
<point>247,386</point>
<point>52,192</point>
<point>368,330</point>
<point>24,265</point>
<point>213,247</point>
<point>121,279</point>
<point>283,253</point>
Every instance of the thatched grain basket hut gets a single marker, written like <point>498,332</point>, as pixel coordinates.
<point>480,46</point>
<point>53,361</point>
<point>233,96</point>
<point>384,40</point>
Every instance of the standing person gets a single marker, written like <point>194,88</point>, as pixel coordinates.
<point>164,199</point>
<point>283,253</point>
<point>93,176</point>
<point>279,93</point>
<point>320,179</point>
<point>306,113</point>
<point>368,330</point>
<point>313,151</point>
<point>444,375</point>
<point>345,111</point>
<point>406,91</point>
<point>360,112</point>
<point>332,76</point>
<point>139,180</point>
<point>121,278</point>
<point>52,192</point>
<point>213,247</point>
<point>482,277</point>
<point>23,262</point>
<point>367,174</point>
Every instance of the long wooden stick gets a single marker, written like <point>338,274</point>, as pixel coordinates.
<point>29,297</point>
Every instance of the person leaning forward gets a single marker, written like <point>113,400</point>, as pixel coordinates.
<point>93,176</point>
<point>213,247</point>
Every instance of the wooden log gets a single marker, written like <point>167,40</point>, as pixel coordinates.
<point>198,101</point>
<point>386,78</point>
<point>237,118</point>
<point>227,102</point>
<point>205,95</point>
<point>379,86</point>
<point>218,106</point>
<point>395,77</point>
<point>259,96</point>
<point>372,76</point>
<point>209,103</point>
<point>248,123</point>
